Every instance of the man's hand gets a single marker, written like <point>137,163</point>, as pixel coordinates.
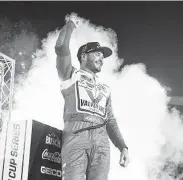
<point>124,158</point>
<point>73,18</point>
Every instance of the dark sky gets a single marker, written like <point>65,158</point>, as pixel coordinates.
<point>148,32</point>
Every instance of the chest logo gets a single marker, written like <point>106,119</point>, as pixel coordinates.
<point>90,101</point>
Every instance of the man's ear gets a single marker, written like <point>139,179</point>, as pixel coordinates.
<point>83,57</point>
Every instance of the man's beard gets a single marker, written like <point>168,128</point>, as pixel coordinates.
<point>93,66</point>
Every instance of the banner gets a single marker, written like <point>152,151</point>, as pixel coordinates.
<point>14,151</point>
<point>45,153</point>
<point>32,152</point>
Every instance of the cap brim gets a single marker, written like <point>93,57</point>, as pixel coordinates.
<point>105,50</point>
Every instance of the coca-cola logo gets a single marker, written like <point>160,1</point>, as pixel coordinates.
<point>54,157</point>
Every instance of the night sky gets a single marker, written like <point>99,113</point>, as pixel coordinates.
<point>148,32</point>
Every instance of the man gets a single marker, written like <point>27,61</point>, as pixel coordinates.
<point>88,117</point>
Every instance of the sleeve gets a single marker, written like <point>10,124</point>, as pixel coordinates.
<point>63,60</point>
<point>113,129</point>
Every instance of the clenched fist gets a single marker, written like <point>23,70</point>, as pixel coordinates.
<point>124,158</point>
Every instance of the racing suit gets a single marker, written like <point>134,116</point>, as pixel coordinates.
<point>85,154</point>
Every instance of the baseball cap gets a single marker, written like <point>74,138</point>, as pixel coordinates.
<point>92,47</point>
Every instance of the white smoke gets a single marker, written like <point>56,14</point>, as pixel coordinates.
<point>39,97</point>
<point>139,103</point>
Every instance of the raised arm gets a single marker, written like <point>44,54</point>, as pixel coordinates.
<point>113,129</point>
<point>63,60</point>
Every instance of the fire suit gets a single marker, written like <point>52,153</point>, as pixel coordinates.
<point>85,154</point>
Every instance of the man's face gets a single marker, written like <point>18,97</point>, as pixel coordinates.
<point>94,61</point>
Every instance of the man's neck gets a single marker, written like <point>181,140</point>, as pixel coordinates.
<point>88,70</point>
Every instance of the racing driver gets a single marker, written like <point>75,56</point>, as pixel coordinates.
<point>88,116</point>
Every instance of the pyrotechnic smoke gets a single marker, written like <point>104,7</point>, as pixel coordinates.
<point>139,103</point>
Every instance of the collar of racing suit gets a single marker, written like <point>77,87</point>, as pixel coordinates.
<point>93,75</point>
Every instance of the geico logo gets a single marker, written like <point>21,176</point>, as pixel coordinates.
<point>50,171</point>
